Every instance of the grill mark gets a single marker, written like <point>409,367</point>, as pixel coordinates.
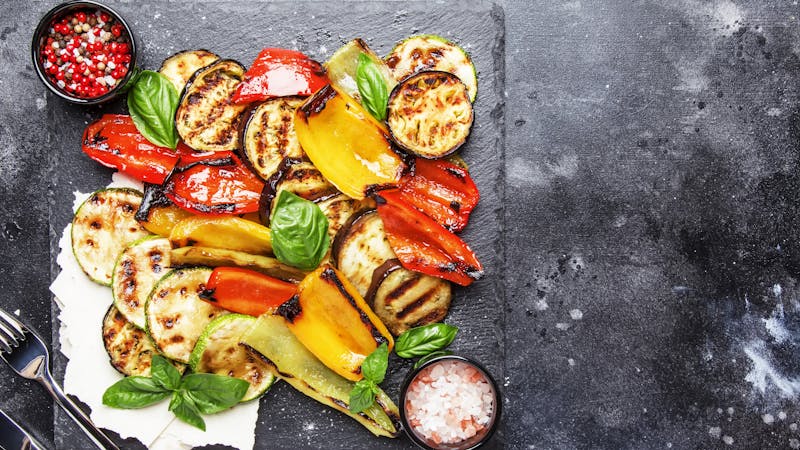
<point>416,304</point>
<point>401,290</point>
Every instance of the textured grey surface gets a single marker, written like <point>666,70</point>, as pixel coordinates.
<point>650,218</point>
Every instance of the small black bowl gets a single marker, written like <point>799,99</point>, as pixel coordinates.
<point>40,36</point>
<point>471,443</point>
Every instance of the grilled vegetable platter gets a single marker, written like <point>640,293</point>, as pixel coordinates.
<point>296,220</point>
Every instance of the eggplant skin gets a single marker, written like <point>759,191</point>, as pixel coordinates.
<point>429,114</point>
<point>206,119</point>
<point>180,67</point>
<point>361,247</point>
<point>268,136</point>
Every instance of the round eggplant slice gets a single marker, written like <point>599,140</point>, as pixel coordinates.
<point>337,209</point>
<point>429,114</point>
<point>129,349</point>
<point>206,118</point>
<point>403,299</point>
<point>180,67</point>
<point>431,52</point>
<point>361,247</point>
<point>101,229</point>
<point>268,136</point>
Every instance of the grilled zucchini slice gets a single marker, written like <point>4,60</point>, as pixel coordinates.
<point>361,247</point>
<point>343,65</point>
<point>176,316</point>
<point>218,351</point>
<point>404,299</point>
<point>180,67</point>
<point>206,118</point>
<point>429,114</point>
<point>430,52</point>
<point>138,269</point>
<point>101,229</point>
<point>218,257</point>
<point>129,349</point>
<point>268,136</point>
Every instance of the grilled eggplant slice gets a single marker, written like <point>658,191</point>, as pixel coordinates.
<point>403,299</point>
<point>338,210</point>
<point>306,181</point>
<point>218,351</point>
<point>268,136</point>
<point>430,52</point>
<point>272,341</point>
<point>129,349</point>
<point>217,257</point>
<point>361,247</point>
<point>138,269</point>
<point>176,316</point>
<point>206,118</point>
<point>180,67</point>
<point>429,114</point>
<point>342,67</point>
<point>101,229</point>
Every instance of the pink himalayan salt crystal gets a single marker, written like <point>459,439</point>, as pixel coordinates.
<point>449,402</point>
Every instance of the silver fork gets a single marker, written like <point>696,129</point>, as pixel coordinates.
<point>26,353</point>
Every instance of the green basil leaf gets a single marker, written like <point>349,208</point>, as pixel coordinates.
<point>164,373</point>
<point>152,102</point>
<point>422,340</point>
<point>184,409</point>
<point>213,393</point>
<point>362,396</point>
<point>430,356</point>
<point>134,392</point>
<point>299,231</point>
<point>375,364</point>
<point>371,87</point>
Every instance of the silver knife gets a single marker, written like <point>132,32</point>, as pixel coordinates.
<point>14,437</point>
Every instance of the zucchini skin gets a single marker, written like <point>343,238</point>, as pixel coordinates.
<point>206,119</point>
<point>429,114</point>
<point>103,226</point>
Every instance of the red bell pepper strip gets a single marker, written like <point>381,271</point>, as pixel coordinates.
<point>215,183</point>
<point>422,245</point>
<point>114,141</point>
<point>245,291</point>
<point>279,72</point>
<point>443,191</point>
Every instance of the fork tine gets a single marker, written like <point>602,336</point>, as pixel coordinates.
<point>11,322</point>
<point>4,345</point>
<point>8,335</point>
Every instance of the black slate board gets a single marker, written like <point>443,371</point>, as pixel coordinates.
<point>239,31</point>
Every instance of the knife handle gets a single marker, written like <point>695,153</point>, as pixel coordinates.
<point>98,437</point>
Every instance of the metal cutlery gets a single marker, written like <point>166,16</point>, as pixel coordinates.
<point>27,354</point>
<point>14,437</point>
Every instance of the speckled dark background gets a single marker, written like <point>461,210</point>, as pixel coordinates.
<point>639,167</point>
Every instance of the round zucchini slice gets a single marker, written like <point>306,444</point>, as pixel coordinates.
<point>176,316</point>
<point>429,114</point>
<point>431,52</point>
<point>180,67</point>
<point>206,119</point>
<point>138,269</point>
<point>218,351</point>
<point>268,136</point>
<point>101,229</point>
<point>129,349</point>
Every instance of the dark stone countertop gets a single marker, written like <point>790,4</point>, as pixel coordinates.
<point>649,233</point>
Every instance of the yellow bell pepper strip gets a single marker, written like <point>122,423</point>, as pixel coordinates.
<point>229,232</point>
<point>350,148</point>
<point>334,322</point>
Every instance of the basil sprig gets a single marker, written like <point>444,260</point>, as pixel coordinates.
<point>152,102</point>
<point>299,231</point>
<point>371,87</point>
<point>423,340</point>
<point>362,396</point>
<point>192,395</point>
